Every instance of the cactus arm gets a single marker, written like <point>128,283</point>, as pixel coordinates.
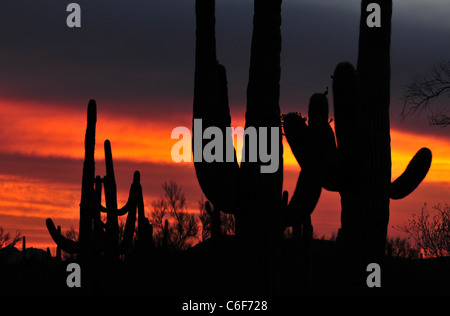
<point>130,224</point>
<point>218,180</point>
<point>62,242</point>
<point>83,246</point>
<point>128,233</point>
<point>133,196</point>
<point>263,90</point>
<point>128,207</point>
<point>315,149</point>
<point>346,110</point>
<point>101,208</point>
<point>415,172</point>
<point>88,177</point>
<point>304,199</point>
<point>110,180</point>
<point>296,132</point>
<point>110,187</point>
<point>145,229</point>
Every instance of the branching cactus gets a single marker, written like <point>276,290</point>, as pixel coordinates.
<point>314,148</point>
<point>92,238</point>
<point>114,245</point>
<point>251,195</point>
<point>361,108</point>
<point>248,191</point>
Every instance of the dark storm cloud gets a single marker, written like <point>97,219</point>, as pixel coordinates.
<point>125,50</point>
<point>135,55</point>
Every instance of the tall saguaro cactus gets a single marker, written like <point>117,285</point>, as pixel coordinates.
<point>361,109</point>
<point>83,246</point>
<point>94,236</point>
<point>253,197</point>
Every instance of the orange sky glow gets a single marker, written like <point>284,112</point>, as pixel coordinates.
<point>42,131</point>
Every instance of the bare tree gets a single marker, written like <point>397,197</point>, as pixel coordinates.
<point>431,232</point>
<point>71,233</point>
<point>424,89</point>
<point>6,239</point>
<point>183,227</point>
<point>401,248</point>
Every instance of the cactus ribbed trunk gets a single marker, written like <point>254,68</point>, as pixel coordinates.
<point>218,180</point>
<point>253,196</point>
<point>366,152</point>
<point>263,190</point>
<point>361,109</point>
<point>85,238</point>
<point>363,137</point>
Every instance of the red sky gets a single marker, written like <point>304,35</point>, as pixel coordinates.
<point>42,152</point>
<point>137,60</point>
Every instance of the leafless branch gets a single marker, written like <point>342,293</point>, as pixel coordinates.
<point>423,89</point>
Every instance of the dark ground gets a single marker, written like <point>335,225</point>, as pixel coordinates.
<point>217,269</point>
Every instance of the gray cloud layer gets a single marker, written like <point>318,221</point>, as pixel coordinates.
<point>131,54</point>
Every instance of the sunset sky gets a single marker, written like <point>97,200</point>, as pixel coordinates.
<point>136,59</point>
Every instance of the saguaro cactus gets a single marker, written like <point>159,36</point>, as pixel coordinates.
<point>114,245</point>
<point>83,246</point>
<point>91,238</point>
<point>361,108</point>
<point>314,148</point>
<point>253,197</point>
<point>144,236</point>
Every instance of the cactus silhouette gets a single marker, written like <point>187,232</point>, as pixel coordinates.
<point>361,108</point>
<point>114,246</point>
<point>314,148</point>
<point>253,197</point>
<point>144,238</point>
<point>94,236</point>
